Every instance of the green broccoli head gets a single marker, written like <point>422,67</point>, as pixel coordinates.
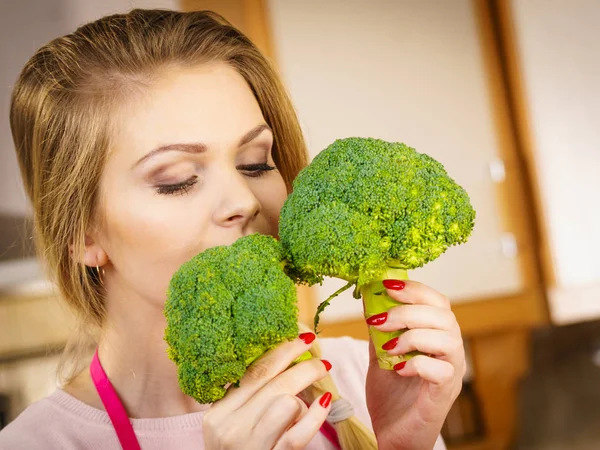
<point>365,204</point>
<point>226,307</point>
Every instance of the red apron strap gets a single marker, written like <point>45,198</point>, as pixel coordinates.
<point>113,406</point>
<point>330,433</point>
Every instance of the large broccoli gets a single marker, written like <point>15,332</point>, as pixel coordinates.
<point>365,210</point>
<point>226,307</point>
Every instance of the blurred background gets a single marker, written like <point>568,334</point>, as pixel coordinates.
<point>506,94</point>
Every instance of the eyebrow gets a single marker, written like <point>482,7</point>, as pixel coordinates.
<point>253,134</point>
<point>200,147</point>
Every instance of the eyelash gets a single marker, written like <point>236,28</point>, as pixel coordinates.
<point>178,188</point>
<point>257,170</point>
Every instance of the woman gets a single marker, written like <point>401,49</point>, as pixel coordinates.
<point>144,139</point>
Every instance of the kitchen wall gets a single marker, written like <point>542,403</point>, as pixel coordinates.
<point>558,54</point>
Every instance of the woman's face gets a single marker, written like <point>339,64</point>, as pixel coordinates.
<point>191,169</point>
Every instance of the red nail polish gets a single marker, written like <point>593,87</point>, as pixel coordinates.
<point>307,337</point>
<point>400,366</point>
<point>396,285</point>
<point>325,400</point>
<point>390,344</point>
<point>377,319</point>
<point>327,364</point>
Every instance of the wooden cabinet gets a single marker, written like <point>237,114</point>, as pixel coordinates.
<point>33,330</point>
<point>32,325</point>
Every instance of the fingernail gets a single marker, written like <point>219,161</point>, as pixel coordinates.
<point>327,364</point>
<point>377,319</point>
<point>325,400</point>
<point>400,366</point>
<point>396,285</point>
<point>307,337</point>
<point>390,344</point>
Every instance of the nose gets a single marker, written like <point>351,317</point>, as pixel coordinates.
<point>238,206</point>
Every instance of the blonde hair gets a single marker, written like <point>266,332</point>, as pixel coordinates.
<point>62,120</point>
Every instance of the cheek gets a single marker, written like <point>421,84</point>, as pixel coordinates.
<point>147,241</point>
<point>271,195</point>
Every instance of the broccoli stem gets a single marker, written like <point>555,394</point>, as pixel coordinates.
<point>325,303</point>
<point>375,301</point>
<point>303,357</point>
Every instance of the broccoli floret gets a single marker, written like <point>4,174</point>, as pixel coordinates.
<point>226,307</point>
<point>365,210</point>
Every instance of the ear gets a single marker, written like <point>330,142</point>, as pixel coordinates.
<point>94,255</point>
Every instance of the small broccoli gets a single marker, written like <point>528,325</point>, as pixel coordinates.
<point>226,307</point>
<point>365,210</point>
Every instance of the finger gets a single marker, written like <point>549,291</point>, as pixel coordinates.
<point>292,381</point>
<point>419,316</point>
<point>299,435</point>
<point>263,370</point>
<point>439,374</point>
<point>442,344</point>
<point>409,291</point>
<point>280,416</point>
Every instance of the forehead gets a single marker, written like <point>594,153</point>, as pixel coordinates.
<point>211,103</point>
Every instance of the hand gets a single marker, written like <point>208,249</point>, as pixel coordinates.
<point>264,411</point>
<point>408,406</point>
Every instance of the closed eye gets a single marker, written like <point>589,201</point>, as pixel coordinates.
<point>177,188</point>
<point>256,170</point>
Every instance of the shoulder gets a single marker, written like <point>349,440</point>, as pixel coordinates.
<point>51,423</point>
<point>32,428</point>
<point>345,342</point>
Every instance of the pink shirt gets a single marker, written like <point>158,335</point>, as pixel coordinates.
<point>60,421</point>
